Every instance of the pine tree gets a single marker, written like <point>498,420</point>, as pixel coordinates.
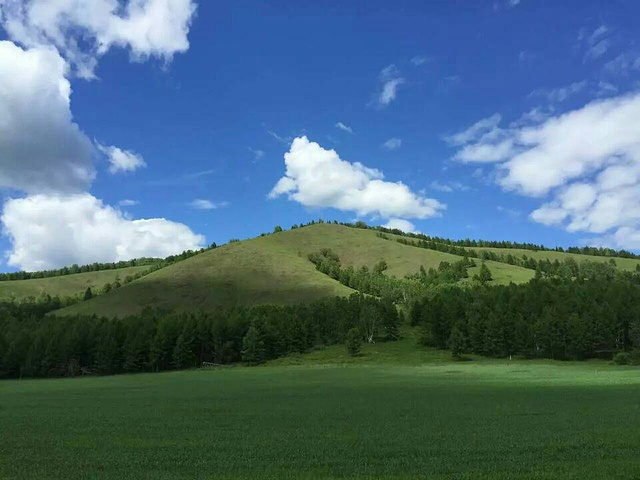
<point>253,347</point>
<point>457,342</point>
<point>484,276</point>
<point>353,342</point>
<point>183,355</point>
<point>88,294</point>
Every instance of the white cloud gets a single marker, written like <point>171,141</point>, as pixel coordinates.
<point>606,89</point>
<point>202,204</point>
<point>316,177</point>
<point>45,154</point>
<point>623,64</point>
<point>449,187</point>
<point>475,131</point>
<point>532,117</point>
<point>400,224</point>
<point>389,91</point>
<point>257,154</point>
<point>419,60</point>
<point>122,160</point>
<point>128,202</point>
<point>54,231</point>
<point>41,148</point>
<point>560,94</point>
<point>392,144</point>
<point>596,44</point>
<point>344,127</point>
<point>84,30</point>
<point>279,138</point>
<point>587,162</point>
<point>512,212</point>
<point>390,79</point>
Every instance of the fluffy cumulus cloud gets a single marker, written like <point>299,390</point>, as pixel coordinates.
<point>402,225</point>
<point>41,148</point>
<point>585,163</point>
<point>46,156</point>
<point>122,160</point>
<point>53,231</point>
<point>316,177</point>
<point>84,30</point>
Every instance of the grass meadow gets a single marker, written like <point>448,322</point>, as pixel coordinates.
<point>388,413</point>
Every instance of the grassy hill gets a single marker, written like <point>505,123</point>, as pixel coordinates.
<point>622,263</point>
<point>245,273</point>
<point>271,269</point>
<point>63,285</point>
<point>268,269</point>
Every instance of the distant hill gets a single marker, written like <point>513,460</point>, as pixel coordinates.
<point>628,264</point>
<point>64,285</point>
<point>272,269</point>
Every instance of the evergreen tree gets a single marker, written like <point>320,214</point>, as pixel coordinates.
<point>88,294</point>
<point>183,355</point>
<point>107,354</point>
<point>253,347</point>
<point>484,276</point>
<point>353,342</point>
<point>457,342</point>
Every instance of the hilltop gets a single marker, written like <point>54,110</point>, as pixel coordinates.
<point>272,269</point>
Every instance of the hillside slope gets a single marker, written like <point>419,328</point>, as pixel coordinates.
<point>358,247</point>
<point>270,269</point>
<point>621,263</point>
<point>63,285</point>
<point>241,273</point>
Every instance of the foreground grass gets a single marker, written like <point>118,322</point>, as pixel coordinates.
<point>411,417</point>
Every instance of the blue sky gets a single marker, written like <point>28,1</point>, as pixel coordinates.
<point>213,105</point>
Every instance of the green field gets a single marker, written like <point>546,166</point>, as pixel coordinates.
<point>386,414</point>
<point>272,269</point>
<point>63,285</point>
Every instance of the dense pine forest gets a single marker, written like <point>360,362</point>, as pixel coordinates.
<point>556,319</point>
<point>36,345</point>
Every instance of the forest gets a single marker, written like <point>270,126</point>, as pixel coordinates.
<point>37,345</point>
<point>545,318</point>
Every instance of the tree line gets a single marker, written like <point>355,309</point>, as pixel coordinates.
<point>567,268</point>
<point>373,281</point>
<point>156,263</point>
<point>593,251</point>
<point>33,344</point>
<point>545,318</point>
